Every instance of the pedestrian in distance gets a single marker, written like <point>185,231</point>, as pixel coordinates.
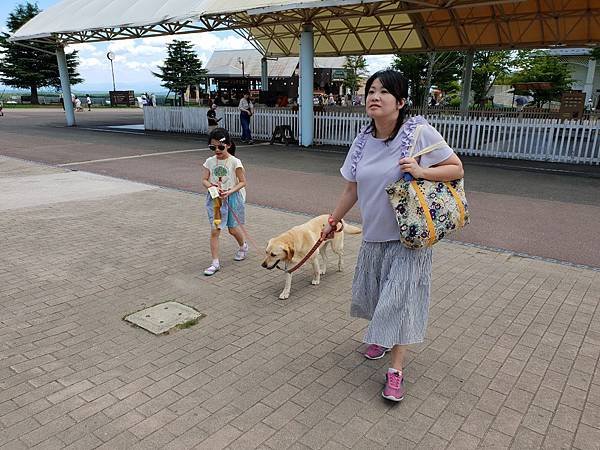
<point>246,111</point>
<point>88,100</point>
<point>211,115</point>
<point>225,179</point>
<point>78,106</point>
<point>521,102</point>
<point>391,284</point>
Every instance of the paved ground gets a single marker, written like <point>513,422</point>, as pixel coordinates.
<point>544,213</point>
<point>510,359</point>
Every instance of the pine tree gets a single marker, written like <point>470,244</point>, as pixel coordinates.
<point>182,68</point>
<point>26,68</point>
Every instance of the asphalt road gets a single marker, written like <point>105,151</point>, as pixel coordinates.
<point>545,214</point>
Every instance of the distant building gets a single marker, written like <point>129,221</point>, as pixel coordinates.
<point>584,71</point>
<point>230,77</point>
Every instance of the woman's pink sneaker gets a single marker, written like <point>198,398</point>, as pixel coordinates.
<point>375,351</point>
<point>394,386</point>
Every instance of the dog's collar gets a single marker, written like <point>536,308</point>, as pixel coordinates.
<point>275,266</point>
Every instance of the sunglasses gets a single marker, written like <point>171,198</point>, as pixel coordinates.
<point>215,147</point>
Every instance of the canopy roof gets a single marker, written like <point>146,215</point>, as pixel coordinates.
<point>342,27</point>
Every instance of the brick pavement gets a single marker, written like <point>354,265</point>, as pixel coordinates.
<point>510,360</point>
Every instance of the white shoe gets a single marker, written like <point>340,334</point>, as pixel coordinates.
<point>241,253</point>
<point>211,270</point>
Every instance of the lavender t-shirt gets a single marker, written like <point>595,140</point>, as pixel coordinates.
<point>378,167</point>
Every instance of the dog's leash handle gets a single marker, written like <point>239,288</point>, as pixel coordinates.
<point>332,232</point>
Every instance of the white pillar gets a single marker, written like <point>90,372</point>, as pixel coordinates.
<point>589,80</point>
<point>65,85</point>
<point>307,57</point>
<point>264,74</point>
<point>466,85</point>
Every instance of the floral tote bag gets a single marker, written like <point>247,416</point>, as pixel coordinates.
<point>427,211</point>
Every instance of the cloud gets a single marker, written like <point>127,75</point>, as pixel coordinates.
<point>145,48</point>
<point>378,62</point>
<point>143,65</point>
<point>212,41</point>
<point>89,63</point>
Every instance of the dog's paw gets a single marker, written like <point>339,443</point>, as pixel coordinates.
<point>284,295</point>
<point>315,282</point>
<point>323,271</point>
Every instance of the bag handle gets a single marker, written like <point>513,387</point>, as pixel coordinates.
<point>416,135</point>
<point>428,149</point>
<point>407,176</point>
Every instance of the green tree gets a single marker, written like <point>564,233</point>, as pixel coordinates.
<point>538,66</point>
<point>488,66</point>
<point>414,69</point>
<point>26,68</point>
<point>424,70</point>
<point>356,71</point>
<point>595,53</point>
<point>182,68</point>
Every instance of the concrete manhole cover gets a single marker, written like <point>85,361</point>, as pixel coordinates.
<point>161,318</point>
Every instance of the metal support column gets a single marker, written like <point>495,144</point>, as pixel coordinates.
<point>65,85</point>
<point>264,74</point>
<point>307,59</point>
<point>589,80</point>
<point>466,85</point>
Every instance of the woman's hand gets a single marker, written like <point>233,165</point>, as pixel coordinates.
<point>410,165</point>
<point>224,194</point>
<point>327,232</point>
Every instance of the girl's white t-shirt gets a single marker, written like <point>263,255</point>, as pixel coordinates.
<point>222,172</point>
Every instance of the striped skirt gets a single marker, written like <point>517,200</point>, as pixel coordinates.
<point>391,289</point>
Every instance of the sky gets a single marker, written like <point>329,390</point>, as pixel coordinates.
<point>136,59</point>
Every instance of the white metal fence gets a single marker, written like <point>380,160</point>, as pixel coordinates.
<point>503,137</point>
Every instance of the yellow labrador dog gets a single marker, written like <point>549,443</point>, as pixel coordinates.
<point>290,247</point>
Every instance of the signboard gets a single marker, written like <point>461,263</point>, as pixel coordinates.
<point>126,98</point>
<point>229,83</point>
<point>338,74</point>
<point>571,105</point>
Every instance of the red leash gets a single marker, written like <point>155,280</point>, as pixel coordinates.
<point>244,231</point>
<point>314,249</point>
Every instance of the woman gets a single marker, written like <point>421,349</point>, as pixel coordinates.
<point>246,110</point>
<point>391,282</point>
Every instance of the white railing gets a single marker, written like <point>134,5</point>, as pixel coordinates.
<point>502,137</point>
<point>534,139</point>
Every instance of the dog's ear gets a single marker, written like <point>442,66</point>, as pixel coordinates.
<point>289,251</point>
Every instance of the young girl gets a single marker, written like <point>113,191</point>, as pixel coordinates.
<point>225,179</point>
<point>391,283</point>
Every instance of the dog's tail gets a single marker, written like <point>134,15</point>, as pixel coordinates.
<point>351,229</point>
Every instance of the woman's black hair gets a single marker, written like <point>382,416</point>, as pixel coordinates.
<point>222,135</point>
<point>396,85</point>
